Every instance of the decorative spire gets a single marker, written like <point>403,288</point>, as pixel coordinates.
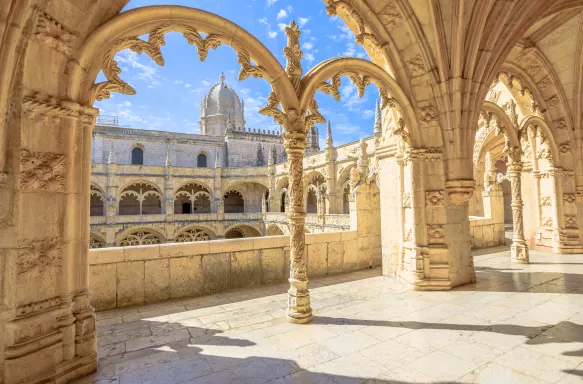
<point>222,77</point>
<point>259,155</point>
<point>378,119</point>
<point>329,141</point>
<point>111,157</point>
<point>293,54</point>
<point>218,160</point>
<point>168,159</point>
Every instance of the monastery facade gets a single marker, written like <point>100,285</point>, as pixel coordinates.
<point>152,187</point>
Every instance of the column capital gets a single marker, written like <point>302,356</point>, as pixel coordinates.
<point>459,191</point>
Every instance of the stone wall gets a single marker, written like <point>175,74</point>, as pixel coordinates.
<point>124,276</point>
<point>486,232</point>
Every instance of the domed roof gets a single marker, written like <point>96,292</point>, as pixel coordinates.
<point>222,100</point>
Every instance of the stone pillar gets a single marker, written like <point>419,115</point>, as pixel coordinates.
<point>519,248</point>
<point>556,174</point>
<point>579,203</point>
<point>48,327</point>
<point>298,310</point>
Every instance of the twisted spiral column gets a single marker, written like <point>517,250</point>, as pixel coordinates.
<point>519,248</point>
<point>299,310</point>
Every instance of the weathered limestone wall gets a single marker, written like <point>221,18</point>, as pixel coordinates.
<point>485,232</point>
<point>488,231</point>
<point>125,276</point>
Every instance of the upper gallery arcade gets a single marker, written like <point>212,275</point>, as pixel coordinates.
<point>481,102</point>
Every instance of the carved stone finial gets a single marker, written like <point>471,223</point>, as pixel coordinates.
<point>293,54</point>
<point>111,157</point>
<point>222,77</point>
<point>270,160</point>
<point>329,141</point>
<point>259,155</point>
<point>378,123</point>
<point>168,159</point>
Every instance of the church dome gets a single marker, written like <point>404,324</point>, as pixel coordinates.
<point>222,100</point>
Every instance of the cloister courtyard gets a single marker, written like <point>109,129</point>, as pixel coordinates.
<point>517,324</point>
<point>432,235</point>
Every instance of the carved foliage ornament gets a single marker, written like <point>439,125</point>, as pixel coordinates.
<point>40,258</point>
<point>435,234</point>
<point>416,66</point>
<point>428,115</point>
<point>391,15</point>
<point>434,198</point>
<point>333,88</point>
<point>151,47</point>
<point>53,34</point>
<point>42,171</point>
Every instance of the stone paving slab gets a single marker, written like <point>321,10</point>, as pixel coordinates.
<point>517,324</point>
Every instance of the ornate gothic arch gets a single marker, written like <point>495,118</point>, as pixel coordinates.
<point>194,233</point>
<point>99,49</point>
<point>198,183</point>
<point>140,236</point>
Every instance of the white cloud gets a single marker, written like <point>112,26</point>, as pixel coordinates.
<point>289,8</point>
<point>206,83</point>
<point>271,34</point>
<point>309,57</point>
<point>281,14</point>
<point>307,46</point>
<point>263,20</point>
<point>271,2</point>
<point>303,20</point>
<point>178,82</point>
<point>350,49</point>
<point>187,85</point>
<point>281,26</point>
<point>145,72</point>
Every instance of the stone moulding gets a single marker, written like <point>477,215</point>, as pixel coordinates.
<point>39,306</point>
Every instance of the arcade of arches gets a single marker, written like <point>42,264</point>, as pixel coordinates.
<point>474,95</point>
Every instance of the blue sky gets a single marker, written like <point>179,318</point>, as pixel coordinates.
<point>168,98</point>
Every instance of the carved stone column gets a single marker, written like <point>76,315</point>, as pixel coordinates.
<point>298,309</point>
<point>556,175</point>
<point>519,248</point>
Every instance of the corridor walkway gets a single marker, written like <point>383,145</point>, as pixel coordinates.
<point>518,324</point>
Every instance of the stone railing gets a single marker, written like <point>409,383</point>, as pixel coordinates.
<point>280,217</point>
<point>339,220</point>
<point>194,217</point>
<point>120,277</point>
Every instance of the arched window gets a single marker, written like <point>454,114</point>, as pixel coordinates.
<point>137,156</point>
<point>233,202</point>
<point>201,161</point>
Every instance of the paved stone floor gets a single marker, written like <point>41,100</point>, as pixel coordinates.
<point>518,324</point>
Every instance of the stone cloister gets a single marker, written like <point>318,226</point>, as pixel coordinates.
<point>473,94</point>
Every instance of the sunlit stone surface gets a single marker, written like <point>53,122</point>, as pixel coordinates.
<point>518,324</point>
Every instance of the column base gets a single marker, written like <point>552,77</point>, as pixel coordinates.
<point>519,252</point>
<point>298,304</point>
